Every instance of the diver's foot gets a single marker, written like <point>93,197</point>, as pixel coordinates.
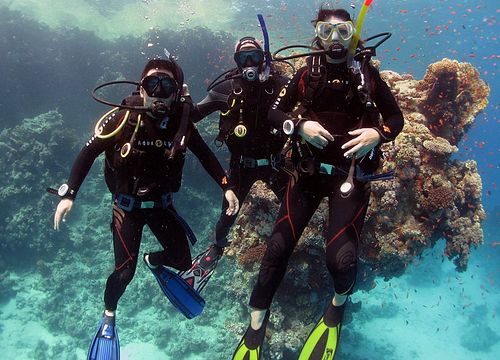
<point>322,342</point>
<point>105,344</point>
<point>334,314</point>
<point>211,256</point>
<point>203,267</point>
<point>250,346</point>
<point>108,326</point>
<point>146,260</point>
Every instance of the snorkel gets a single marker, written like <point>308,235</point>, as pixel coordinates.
<point>359,26</point>
<point>267,70</point>
<point>348,185</point>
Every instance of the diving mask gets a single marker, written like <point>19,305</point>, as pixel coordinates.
<point>249,61</point>
<point>325,30</point>
<point>159,85</point>
<point>248,58</point>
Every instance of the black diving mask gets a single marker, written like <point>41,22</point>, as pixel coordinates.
<point>159,85</point>
<point>249,58</point>
<point>249,62</point>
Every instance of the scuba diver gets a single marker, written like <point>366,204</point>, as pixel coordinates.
<point>244,98</point>
<point>145,141</point>
<point>331,109</point>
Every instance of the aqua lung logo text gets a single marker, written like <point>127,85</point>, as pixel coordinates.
<point>156,143</point>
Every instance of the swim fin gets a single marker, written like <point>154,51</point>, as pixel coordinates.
<point>186,299</point>
<point>250,346</point>
<point>105,345</point>
<point>321,344</point>
<point>203,267</point>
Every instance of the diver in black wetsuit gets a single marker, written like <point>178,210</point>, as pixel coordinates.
<point>144,161</point>
<point>336,130</point>
<point>243,100</point>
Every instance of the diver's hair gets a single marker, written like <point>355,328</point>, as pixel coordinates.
<point>160,64</point>
<point>324,12</point>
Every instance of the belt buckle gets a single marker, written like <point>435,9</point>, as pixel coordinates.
<point>148,204</point>
<point>248,162</point>
<point>125,202</point>
<point>262,162</point>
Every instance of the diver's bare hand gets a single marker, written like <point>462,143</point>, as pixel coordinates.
<point>366,139</point>
<point>234,204</point>
<point>315,134</point>
<point>63,209</point>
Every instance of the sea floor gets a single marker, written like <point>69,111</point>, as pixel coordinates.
<point>432,312</point>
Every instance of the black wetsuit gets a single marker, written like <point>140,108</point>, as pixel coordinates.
<point>338,108</point>
<point>247,103</point>
<point>142,185</point>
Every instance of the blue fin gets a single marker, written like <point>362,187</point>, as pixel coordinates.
<point>187,300</point>
<point>105,347</point>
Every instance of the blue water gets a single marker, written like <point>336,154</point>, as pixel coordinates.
<point>51,283</point>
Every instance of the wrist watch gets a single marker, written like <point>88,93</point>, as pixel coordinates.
<point>64,190</point>
<point>288,127</point>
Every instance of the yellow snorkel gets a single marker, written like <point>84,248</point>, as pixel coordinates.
<point>348,186</point>
<point>359,26</point>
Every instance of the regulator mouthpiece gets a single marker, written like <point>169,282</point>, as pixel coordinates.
<point>250,73</point>
<point>159,109</point>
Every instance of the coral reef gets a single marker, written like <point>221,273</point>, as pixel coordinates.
<point>432,196</point>
<point>453,95</point>
<point>34,156</point>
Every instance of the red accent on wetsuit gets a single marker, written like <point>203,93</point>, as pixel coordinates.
<point>287,216</point>
<point>117,268</point>
<point>360,211</point>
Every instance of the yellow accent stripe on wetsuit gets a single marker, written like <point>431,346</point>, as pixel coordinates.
<point>242,351</point>
<point>314,338</point>
<point>230,108</point>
